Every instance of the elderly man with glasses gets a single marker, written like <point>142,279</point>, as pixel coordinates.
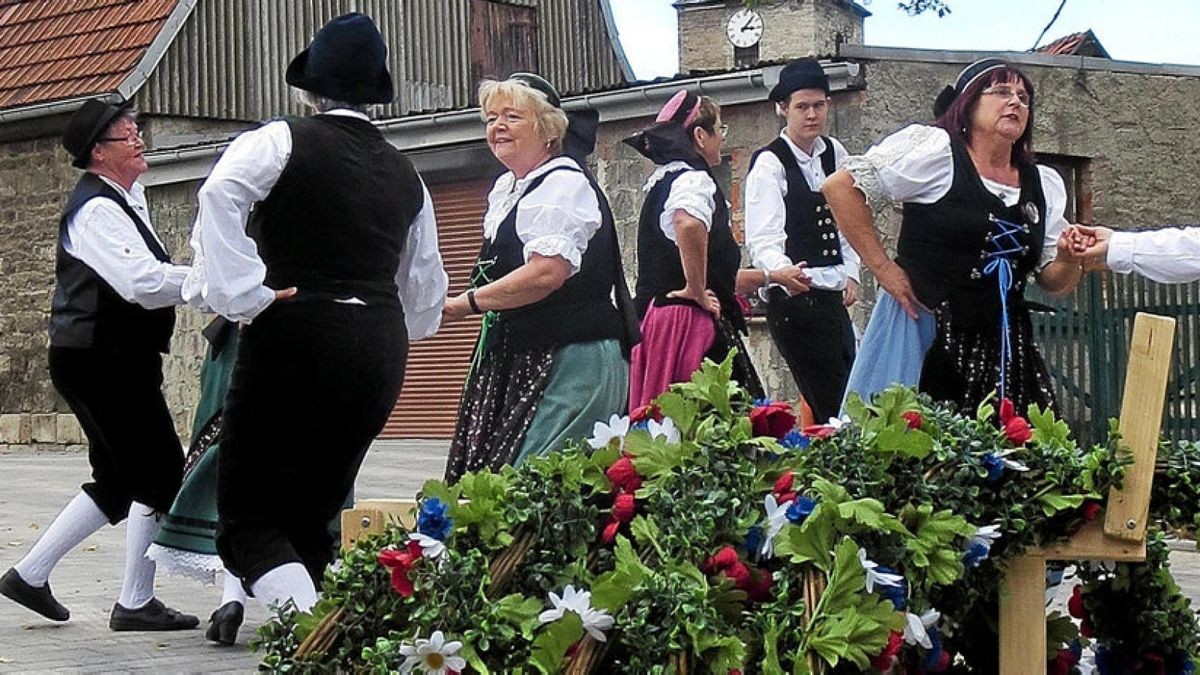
<point>111,319</point>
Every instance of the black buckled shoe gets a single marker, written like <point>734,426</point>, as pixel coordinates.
<point>40,600</point>
<point>224,623</point>
<point>154,616</point>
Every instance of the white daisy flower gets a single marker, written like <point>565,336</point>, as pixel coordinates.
<point>595,621</point>
<point>431,548</point>
<point>665,429</point>
<point>603,434</point>
<point>876,578</point>
<point>916,628</point>
<point>434,656</point>
<point>776,519</point>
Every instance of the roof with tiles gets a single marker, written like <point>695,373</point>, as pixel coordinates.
<point>53,50</point>
<point>1075,44</point>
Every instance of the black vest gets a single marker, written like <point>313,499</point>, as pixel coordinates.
<point>582,309</point>
<point>660,270</point>
<point>85,310</point>
<point>944,246</point>
<point>812,234</point>
<point>337,220</point>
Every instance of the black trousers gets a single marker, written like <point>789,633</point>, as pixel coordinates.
<point>813,332</point>
<point>312,386</point>
<point>132,445</point>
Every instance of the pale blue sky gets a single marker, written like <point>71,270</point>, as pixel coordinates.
<point>1154,31</point>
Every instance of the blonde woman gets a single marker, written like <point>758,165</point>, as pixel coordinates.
<point>549,361</point>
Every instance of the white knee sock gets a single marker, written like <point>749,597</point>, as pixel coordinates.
<point>77,521</point>
<point>233,590</point>
<point>138,586</point>
<point>289,581</point>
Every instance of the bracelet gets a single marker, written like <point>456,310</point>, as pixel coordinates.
<point>471,301</point>
<point>766,278</point>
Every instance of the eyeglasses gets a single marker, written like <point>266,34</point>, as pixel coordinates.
<point>133,138</point>
<point>724,129</point>
<point>1007,93</point>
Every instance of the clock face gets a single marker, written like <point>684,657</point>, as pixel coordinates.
<point>745,28</point>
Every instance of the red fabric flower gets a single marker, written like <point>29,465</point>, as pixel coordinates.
<point>942,664</point>
<point>785,498</point>
<point>914,419</point>
<point>818,431</point>
<point>1086,629</point>
<point>1075,604</point>
<point>623,507</point>
<point>1090,511</point>
<point>623,475</point>
<point>646,412</point>
<point>758,588</point>
<point>721,559</point>
<point>774,419</point>
<point>784,483</point>
<point>400,562</point>
<point>1063,662</point>
<point>884,660</point>
<point>739,574</point>
<point>735,671</point>
<point>610,530</point>
<point>1016,428</point>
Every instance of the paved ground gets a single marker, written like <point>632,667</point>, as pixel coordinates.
<point>34,487</point>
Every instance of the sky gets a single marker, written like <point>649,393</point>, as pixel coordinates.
<point>1153,31</point>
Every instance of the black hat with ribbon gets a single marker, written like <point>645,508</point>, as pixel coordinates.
<point>797,75</point>
<point>86,127</point>
<point>667,140</point>
<point>966,78</point>
<point>582,125</point>
<point>346,61</point>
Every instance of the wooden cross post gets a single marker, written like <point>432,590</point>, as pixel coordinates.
<point>1122,536</point>
<point>370,516</point>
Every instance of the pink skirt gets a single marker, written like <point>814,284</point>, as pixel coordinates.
<point>675,339</point>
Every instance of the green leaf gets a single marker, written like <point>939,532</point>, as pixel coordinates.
<point>1053,502</point>
<point>478,665</point>
<point>613,589</point>
<point>553,642</point>
<point>812,541</point>
<point>935,543</point>
<point>898,439</point>
<point>520,611</point>
<point>1047,429</point>
<point>869,513</point>
<point>847,579</point>
<point>646,533</point>
<point>770,647</point>
<point>681,411</point>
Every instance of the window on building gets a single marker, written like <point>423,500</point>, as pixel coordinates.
<point>504,39</point>
<point>1075,174</point>
<point>744,57</point>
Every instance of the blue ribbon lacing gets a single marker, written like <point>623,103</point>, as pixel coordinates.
<point>1004,246</point>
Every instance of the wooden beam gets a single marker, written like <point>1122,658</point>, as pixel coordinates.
<point>1090,543</point>
<point>1023,617</point>
<point>1128,509</point>
<point>370,516</point>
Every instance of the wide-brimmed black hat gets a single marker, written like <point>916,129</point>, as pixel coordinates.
<point>346,61</point>
<point>86,127</point>
<point>797,75</point>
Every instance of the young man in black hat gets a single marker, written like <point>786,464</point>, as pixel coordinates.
<point>111,319</point>
<point>810,273</point>
<point>331,276</point>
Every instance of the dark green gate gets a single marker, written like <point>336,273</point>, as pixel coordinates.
<point>1085,342</point>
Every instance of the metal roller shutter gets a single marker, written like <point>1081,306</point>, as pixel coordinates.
<point>437,367</point>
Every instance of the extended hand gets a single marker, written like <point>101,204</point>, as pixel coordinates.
<point>1089,244</point>
<point>706,299</point>
<point>850,294</point>
<point>792,278</point>
<point>455,309</point>
<point>285,294</point>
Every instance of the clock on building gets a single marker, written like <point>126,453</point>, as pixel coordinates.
<point>745,28</point>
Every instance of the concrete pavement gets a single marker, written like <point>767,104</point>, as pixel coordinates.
<point>34,487</point>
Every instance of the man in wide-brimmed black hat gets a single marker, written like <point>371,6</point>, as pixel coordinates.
<point>810,274</point>
<point>111,320</point>
<point>342,271</point>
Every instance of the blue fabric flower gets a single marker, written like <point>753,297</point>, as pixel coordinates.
<point>753,539</point>
<point>898,594</point>
<point>977,553</point>
<point>933,655</point>
<point>644,425</point>
<point>794,440</point>
<point>432,519</point>
<point>762,402</point>
<point>800,509</point>
<point>994,466</point>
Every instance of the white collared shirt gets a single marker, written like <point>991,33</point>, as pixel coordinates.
<point>559,218</point>
<point>766,214</point>
<point>916,164</point>
<point>101,235</point>
<point>1170,255</point>
<point>692,192</point>
<point>227,272</point>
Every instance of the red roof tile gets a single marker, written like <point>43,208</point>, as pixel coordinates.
<point>1081,44</point>
<point>60,49</point>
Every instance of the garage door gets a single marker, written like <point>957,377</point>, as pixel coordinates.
<point>437,367</point>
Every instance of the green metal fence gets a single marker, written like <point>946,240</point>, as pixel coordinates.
<point>1085,342</point>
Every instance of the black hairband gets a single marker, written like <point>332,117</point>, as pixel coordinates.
<point>965,78</point>
<point>535,81</point>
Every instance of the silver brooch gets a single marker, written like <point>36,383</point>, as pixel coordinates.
<point>1031,213</point>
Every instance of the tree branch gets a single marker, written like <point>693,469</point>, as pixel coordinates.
<point>1061,4</point>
